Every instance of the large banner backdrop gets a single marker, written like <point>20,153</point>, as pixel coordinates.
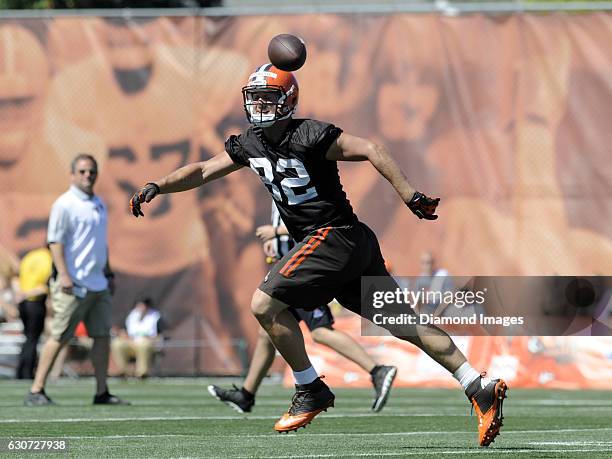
<point>506,118</point>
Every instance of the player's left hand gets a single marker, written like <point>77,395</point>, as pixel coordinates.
<point>145,194</point>
<point>423,206</point>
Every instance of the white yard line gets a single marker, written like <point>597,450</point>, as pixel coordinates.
<point>110,437</point>
<point>571,443</point>
<point>275,435</point>
<point>490,451</point>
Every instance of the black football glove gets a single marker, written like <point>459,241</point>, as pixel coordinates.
<point>423,207</point>
<point>145,194</point>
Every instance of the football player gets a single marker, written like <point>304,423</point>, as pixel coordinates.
<point>296,159</point>
<point>320,321</point>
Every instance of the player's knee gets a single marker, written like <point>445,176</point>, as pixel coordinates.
<point>320,335</point>
<point>261,307</point>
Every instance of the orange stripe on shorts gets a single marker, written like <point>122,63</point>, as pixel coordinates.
<point>296,255</point>
<point>300,256</point>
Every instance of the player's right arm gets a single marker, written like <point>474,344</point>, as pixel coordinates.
<point>186,178</point>
<point>352,148</point>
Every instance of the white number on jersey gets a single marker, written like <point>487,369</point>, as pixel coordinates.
<point>288,184</point>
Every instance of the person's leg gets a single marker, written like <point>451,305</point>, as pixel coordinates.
<point>58,366</point>
<point>67,312</point>
<point>312,395</point>
<point>437,344</point>
<point>310,274</point>
<point>144,355</point>
<point>121,351</point>
<point>282,328</point>
<point>485,394</point>
<point>97,320</point>
<point>99,359</point>
<point>243,399</point>
<point>22,363</point>
<point>48,355</point>
<point>263,357</point>
<point>344,345</point>
<point>37,312</point>
<point>320,323</point>
<point>432,340</point>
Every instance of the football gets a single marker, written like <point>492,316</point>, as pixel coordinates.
<point>287,52</point>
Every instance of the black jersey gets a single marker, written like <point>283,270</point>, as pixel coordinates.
<point>305,185</point>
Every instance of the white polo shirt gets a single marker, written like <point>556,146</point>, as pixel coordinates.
<point>138,326</point>
<point>79,221</point>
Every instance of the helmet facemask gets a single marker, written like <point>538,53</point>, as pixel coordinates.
<point>265,104</point>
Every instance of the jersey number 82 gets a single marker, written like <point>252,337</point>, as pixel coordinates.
<point>263,167</point>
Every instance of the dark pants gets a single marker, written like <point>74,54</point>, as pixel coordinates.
<point>33,316</point>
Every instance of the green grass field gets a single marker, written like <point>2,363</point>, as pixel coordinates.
<point>178,418</point>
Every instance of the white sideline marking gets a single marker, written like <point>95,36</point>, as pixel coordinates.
<point>435,453</point>
<point>102,437</point>
<point>275,435</point>
<point>236,417</point>
<point>242,418</point>
<point>571,443</point>
<point>381,434</point>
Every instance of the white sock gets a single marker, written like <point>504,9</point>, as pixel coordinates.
<point>305,376</point>
<point>465,374</point>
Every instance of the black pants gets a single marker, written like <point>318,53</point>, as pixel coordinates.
<point>32,314</point>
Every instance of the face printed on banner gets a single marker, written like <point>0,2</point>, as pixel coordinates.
<point>23,83</point>
<point>71,39</point>
<point>129,166</point>
<point>129,53</point>
<point>338,70</point>
<point>409,86</point>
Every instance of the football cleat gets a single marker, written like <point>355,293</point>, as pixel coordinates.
<point>487,397</point>
<point>235,398</point>
<point>382,379</point>
<point>38,399</point>
<point>106,398</point>
<point>308,401</point>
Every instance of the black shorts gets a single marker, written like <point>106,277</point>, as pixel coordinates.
<point>317,318</point>
<point>327,264</point>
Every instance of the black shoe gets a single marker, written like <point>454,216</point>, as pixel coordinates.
<point>308,401</point>
<point>236,398</point>
<point>37,399</point>
<point>487,397</point>
<point>382,379</point>
<point>109,399</point>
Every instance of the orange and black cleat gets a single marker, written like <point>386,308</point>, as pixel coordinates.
<point>487,397</point>
<point>308,401</point>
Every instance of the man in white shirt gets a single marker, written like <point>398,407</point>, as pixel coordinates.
<point>82,284</point>
<point>139,339</point>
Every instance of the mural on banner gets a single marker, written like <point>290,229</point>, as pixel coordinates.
<point>508,130</point>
